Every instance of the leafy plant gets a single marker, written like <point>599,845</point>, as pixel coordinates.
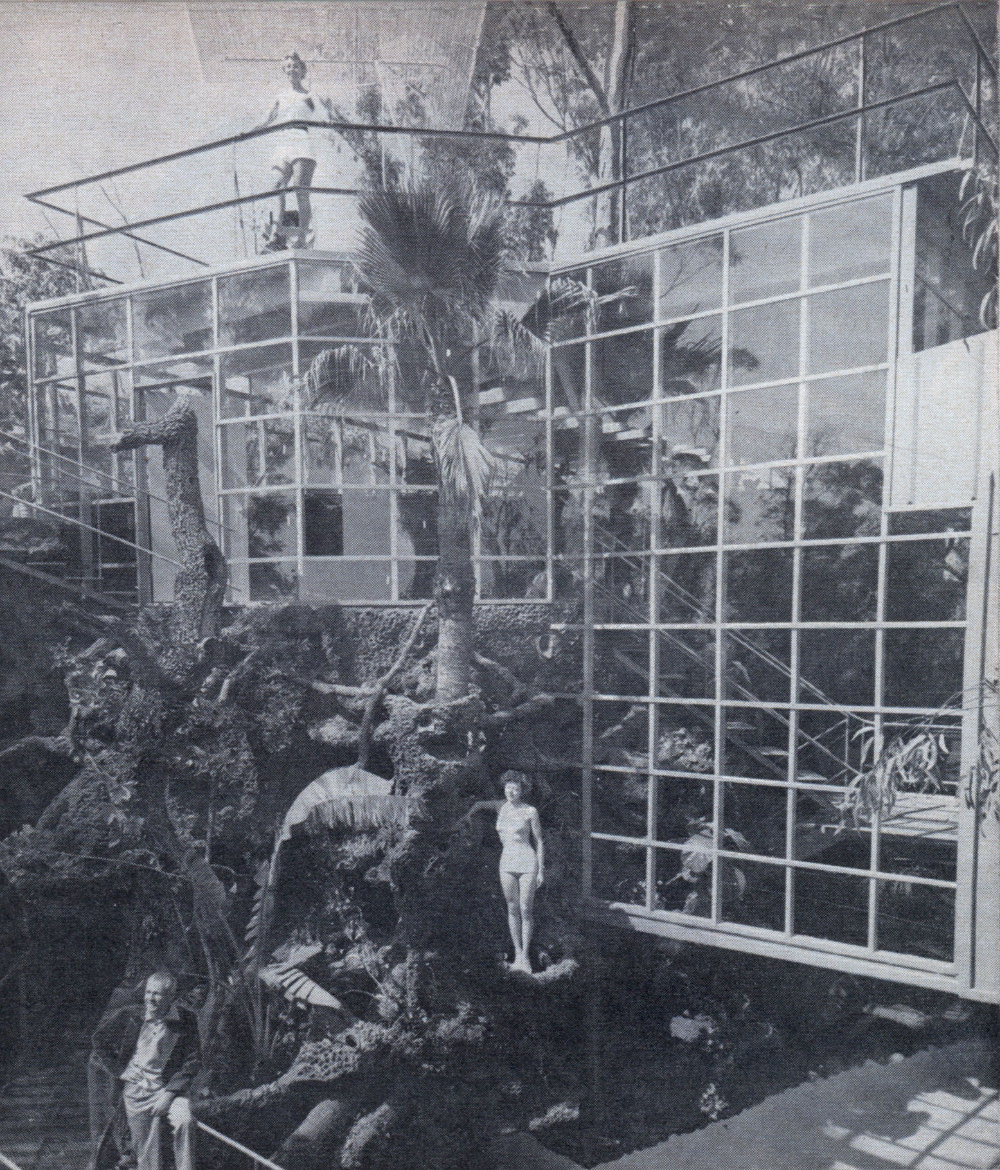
<point>907,763</point>
<point>980,226</point>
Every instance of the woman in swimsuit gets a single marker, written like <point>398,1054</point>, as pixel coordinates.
<point>294,157</point>
<point>521,864</point>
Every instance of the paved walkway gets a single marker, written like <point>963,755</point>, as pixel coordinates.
<point>43,1108</point>
<point>936,1110</point>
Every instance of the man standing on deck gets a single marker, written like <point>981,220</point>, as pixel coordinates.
<point>153,1050</point>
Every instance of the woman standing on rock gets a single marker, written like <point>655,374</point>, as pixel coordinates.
<point>522,863</point>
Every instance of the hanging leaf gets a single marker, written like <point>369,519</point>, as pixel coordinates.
<point>348,798</point>
<point>295,985</point>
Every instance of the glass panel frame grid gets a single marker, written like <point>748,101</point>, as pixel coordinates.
<point>703,665</point>
<point>350,481</point>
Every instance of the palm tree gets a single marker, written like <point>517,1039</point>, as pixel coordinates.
<point>432,259</point>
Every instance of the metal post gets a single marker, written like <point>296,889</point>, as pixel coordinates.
<point>859,143</point>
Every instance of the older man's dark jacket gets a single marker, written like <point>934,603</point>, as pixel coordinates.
<point>116,1037</point>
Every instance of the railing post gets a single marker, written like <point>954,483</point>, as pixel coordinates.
<point>859,142</point>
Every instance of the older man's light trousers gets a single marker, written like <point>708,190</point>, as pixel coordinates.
<point>145,1128</point>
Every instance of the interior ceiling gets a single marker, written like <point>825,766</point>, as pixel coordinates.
<point>401,46</point>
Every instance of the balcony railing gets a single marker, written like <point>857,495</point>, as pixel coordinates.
<point>755,137</point>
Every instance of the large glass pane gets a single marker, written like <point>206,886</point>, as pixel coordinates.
<point>334,580</point>
<point>760,506</point>
<point>686,587</point>
<point>417,534</point>
<point>842,499</point>
<point>259,526</point>
<point>689,506</point>
<point>690,357</point>
<point>323,524</point>
<point>511,578</point>
<point>619,873</point>
<point>848,327</point>
<point>690,278</point>
<point>624,452</point>
<point>686,664</point>
<point>828,744</point>
<point>366,523</point>
<point>926,580</point>
<point>172,320</point>
<point>923,668</point>
<point>839,664</point>
<point>753,893</point>
<point>621,514</point>
<point>755,743</point>
<point>764,343</point>
<point>824,832</point>
<point>753,818</point>
<point>758,585</point>
<point>259,453</point>
<point>683,807</point>
<point>53,333</point>
<point>257,381</point>
<point>102,334</point>
<point>621,733</point>
<point>568,306</point>
<point>328,304</point>
<point>568,379</point>
<point>623,369</point>
<point>757,665</point>
<point>621,589</point>
<point>831,906</point>
<point>618,803</point>
<point>416,582</point>
<point>765,261</point>
<point>685,739</point>
<point>845,416</point>
<point>683,877</point>
<point>850,241</point>
<point>624,290</point>
<point>690,427</point>
<point>621,662</point>
<point>272,581</point>
<point>840,583</point>
<point>345,378</point>
<point>255,306</point>
<point>945,520</point>
<point>763,425</point>
<point>916,920</point>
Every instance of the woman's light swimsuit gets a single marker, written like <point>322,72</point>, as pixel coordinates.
<point>294,142</point>
<point>519,856</point>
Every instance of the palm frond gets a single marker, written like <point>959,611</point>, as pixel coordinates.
<point>465,464</point>
<point>285,976</point>
<point>349,798</point>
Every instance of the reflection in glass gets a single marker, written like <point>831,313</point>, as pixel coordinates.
<point>172,320</point>
<point>690,357</point>
<point>618,803</point>
<point>416,579</point>
<point>758,585</point>
<point>926,580</point>
<point>344,379</point>
<point>757,665</point>
<point>765,261</point>
<point>840,664</point>
<point>621,662</point>
<point>624,290</point>
<point>417,523</point>
<point>257,381</point>
<point>690,278</point>
<point>255,306</point>
<point>273,582</point>
<point>755,742</point>
<point>690,426</point>
<point>763,425</point>
<point>686,664</point>
<point>260,453</point>
<point>944,520</point>
<point>830,906</point>
<point>53,333</point>
<point>916,920</point>
<point>828,744</point>
<point>366,523</point>
<point>850,241</point>
<point>923,668</point>
<point>102,334</point>
<point>845,416</point>
<point>618,873</point>
<point>623,369</point>
<point>323,524</point>
<point>764,343</point>
<point>689,505</point>
<point>328,305</point>
<point>848,327</point>
<point>753,893</point>
<point>686,587</point>
<point>842,499</point>
<point>760,506</point>
<point>330,580</point>
<point>840,583</point>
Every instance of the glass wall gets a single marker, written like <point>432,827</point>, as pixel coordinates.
<point>759,624</point>
<point>316,468</point>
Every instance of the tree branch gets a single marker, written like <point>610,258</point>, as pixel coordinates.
<point>580,57</point>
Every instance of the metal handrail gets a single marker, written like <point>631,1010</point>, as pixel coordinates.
<point>258,1159</point>
<point>7,1163</point>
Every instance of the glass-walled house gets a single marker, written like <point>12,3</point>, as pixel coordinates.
<point>754,479</point>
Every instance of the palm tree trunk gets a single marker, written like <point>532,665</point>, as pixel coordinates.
<point>454,592</point>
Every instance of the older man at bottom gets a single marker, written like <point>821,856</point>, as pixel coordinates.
<point>153,1051</point>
